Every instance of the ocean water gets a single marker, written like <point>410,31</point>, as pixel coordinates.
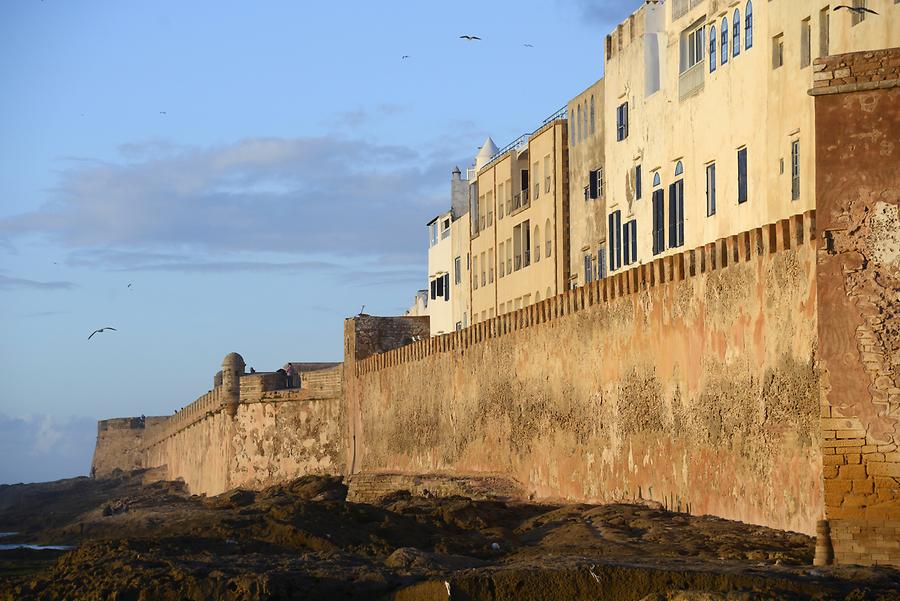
<point>36,547</point>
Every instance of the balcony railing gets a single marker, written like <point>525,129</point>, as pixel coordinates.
<point>691,81</point>
<point>681,7</point>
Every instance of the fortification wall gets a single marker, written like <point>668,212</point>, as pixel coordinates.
<point>690,380</point>
<point>857,135</point>
<point>268,437</point>
<point>119,444</point>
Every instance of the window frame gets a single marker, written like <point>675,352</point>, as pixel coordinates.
<point>736,32</point>
<point>743,195</point>
<point>711,189</point>
<point>748,25</point>
<point>622,121</point>
<point>713,55</point>
<point>723,44</point>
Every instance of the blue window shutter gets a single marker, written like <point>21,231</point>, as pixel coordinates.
<point>634,240</point>
<point>673,227</point>
<point>446,286</point>
<point>680,187</point>
<point>611,240</point>
<point>626,239</point>
<point>594,192</point>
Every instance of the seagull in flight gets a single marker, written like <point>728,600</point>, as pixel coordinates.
<point>405,56</point>
<point>470,38</point>
<point>528,45</point>
<point>101,330</point>
<point>129,285</point>
<point>856,9</point>
<point>162,112</point>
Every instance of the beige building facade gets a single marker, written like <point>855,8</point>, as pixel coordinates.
<point>707,124</point>
<point>587,201</point>
<point>520,223</point>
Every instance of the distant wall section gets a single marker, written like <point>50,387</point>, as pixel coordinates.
<point>120,442</point>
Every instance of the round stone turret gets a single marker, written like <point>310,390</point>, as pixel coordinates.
<point>232,369</point>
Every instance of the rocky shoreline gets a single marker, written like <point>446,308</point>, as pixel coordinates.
<point>304,540</point>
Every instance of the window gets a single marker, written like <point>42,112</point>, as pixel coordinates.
<point>548,238</point>
<point>614,236</point>
<point>445,229</point>
<point>595,184</point>
<point>484,269</point>
<point>547,172</point>
<point>526,243</point>
<point>457,271</point>
<point>509,249</point>
<point>778,51</point>
<point>491,265</point>
<point>659,219</point>
<point>724,43</point>
<point>805,34</point>
<point>736,32</point>
<point>502,259</point>
<point>593,117</point>
<point>579,130</point>
<point>537,243</point>
<point>713,59</point>
<point>432,234</point>
<point>858,16</point>
<point>446,286</point>
<point>742,175</point>
<point>433,285</point>
<point>459,326</point>
<point>588,269</point>
<point>710,189</point>
<point>517,244</point>
<point>601,263</point>
<point>637,182</point>
<point>572,119</point>
<point>795,170</point>
<point>537,179</point>
<point>656,181</point>
<point>474,211</point>
<point>622,122</point>
<point>500,201</point>
<point>629,242</point>
<point>676,209</point>
<point>748,25</point>
<point>490,208</point>
<point>693,46</point>
<point>824,33</point>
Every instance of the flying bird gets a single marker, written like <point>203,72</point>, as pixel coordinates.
<point>528,45</point>
<point>162,112</point>
<point>129,285</point>
<point>101,330</point>
<point>404,56</point>
<point>856,9</point>
<point>470,38</point>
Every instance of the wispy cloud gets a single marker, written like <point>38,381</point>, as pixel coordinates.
<point>605,12</point>
<point>13,283</point>
<point>45,447</point>
<point>346,198</point>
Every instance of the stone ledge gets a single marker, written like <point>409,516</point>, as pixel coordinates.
<point>848,88</point>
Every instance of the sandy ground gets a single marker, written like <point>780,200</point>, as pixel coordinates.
<point>303,540</point>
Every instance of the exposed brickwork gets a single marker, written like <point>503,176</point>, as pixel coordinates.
<point>857,71</point>
<point>857,134</point>
<point>381,334</point>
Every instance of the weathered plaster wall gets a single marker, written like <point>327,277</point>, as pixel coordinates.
<point>119,443</point>
<point>857,154</point>
<point>690,380</point>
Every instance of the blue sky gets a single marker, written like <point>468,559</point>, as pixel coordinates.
<point>256,170</point>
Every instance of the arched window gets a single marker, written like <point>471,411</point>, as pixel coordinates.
<point>736,32</point>
<point>537,244</point>
<point>580,121</point>
<point>713,59</point>
<point>572,127</point>
<point>548,238</point>
<point>748,25</point>
<point>724,43</point>
<point>537,297</point>
<point>549,293</point>
<point>679,168</point>
<point>593,117</point>
<point>656,180</point>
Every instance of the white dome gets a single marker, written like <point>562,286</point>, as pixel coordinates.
<point>487,152</point>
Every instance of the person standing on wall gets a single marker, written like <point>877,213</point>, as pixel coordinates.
<point>290,375</point>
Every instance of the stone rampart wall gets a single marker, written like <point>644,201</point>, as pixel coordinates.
<point>858,183</point>
<point>690,380</point>
<point>119,443</point>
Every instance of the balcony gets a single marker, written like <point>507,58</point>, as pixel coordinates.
<point>691,81</point>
